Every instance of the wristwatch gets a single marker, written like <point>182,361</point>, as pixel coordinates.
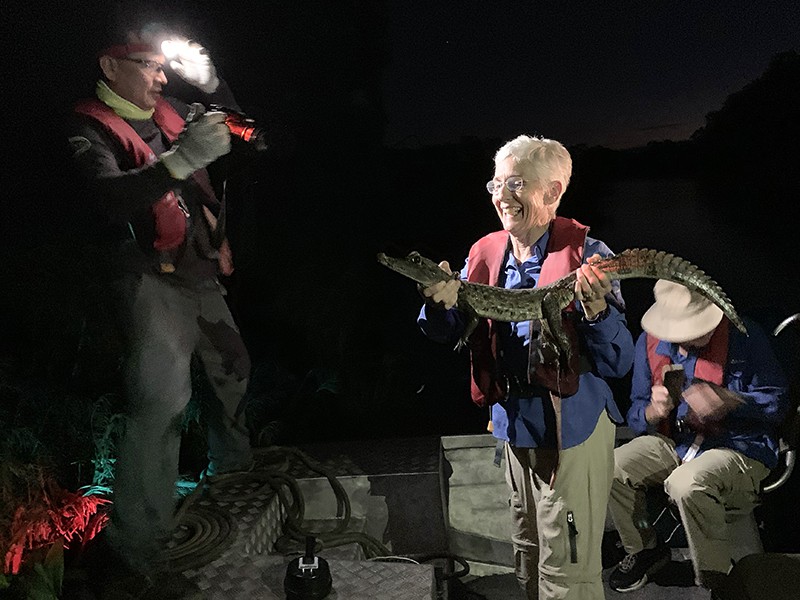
<point>599,316</point>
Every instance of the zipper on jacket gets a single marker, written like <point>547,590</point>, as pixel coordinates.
<point>182,206</point>
<point>573,534</point>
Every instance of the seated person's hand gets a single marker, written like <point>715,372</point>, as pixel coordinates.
<point>591,287</point>
<point>660,405</point>
<point>708,402</point>
<point>442,295</point>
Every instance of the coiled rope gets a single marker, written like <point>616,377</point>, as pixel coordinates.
<point>260,481</point>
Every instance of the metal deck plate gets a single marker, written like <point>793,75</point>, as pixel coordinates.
<point>225,539</point>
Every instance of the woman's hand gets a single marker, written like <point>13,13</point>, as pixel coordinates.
<point>442,295</point>
<point>591,287</point>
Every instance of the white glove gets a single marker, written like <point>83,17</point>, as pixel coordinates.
<point>191,61</point>
<point>204,139</point>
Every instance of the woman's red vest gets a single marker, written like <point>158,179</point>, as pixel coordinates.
<point>486,260</point>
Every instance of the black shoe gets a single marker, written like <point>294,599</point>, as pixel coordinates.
<point>611,550</point>
<point>632,571</point>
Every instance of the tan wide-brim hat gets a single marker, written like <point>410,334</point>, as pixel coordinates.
<point>679,314</point>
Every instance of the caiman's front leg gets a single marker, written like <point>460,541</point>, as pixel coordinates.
<point>552,305</point>
<point>472,323</point>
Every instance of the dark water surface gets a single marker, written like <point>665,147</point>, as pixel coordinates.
<point>675,216</point>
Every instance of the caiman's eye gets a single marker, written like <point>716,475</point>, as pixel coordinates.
<point>415,257</point>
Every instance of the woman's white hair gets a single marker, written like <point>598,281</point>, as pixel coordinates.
<point>545,160</point>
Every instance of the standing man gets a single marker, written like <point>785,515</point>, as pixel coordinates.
<point>554,427</point>
<point>710,400</point>
<point>143,157</point>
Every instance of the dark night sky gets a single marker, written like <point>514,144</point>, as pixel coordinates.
<point>616,73</point>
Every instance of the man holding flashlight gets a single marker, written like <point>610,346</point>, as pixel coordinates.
<point>144,160</point>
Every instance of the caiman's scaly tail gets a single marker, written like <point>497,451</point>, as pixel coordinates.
<point>480,300</point>
<point>656,264</point>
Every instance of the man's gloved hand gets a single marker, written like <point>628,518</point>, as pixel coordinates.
<point>204,139</point>
<point>191,61</point>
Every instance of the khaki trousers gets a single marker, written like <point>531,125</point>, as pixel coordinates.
<point>557,531</point>
<point>703,489</point>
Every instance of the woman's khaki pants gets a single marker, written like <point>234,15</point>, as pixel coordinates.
<point>557,530</point>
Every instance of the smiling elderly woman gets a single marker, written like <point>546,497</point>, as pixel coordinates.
<point>558,446</point>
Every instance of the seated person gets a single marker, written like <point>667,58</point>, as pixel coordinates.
<point>706,403</point>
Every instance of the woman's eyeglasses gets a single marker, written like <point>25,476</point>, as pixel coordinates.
<point>513,184</point>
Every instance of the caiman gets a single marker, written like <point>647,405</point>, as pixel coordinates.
<point>544,304</point>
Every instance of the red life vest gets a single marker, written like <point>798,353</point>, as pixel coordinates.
<point>485,263</point>
<point>169,218</point>
<point>710,364</point>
